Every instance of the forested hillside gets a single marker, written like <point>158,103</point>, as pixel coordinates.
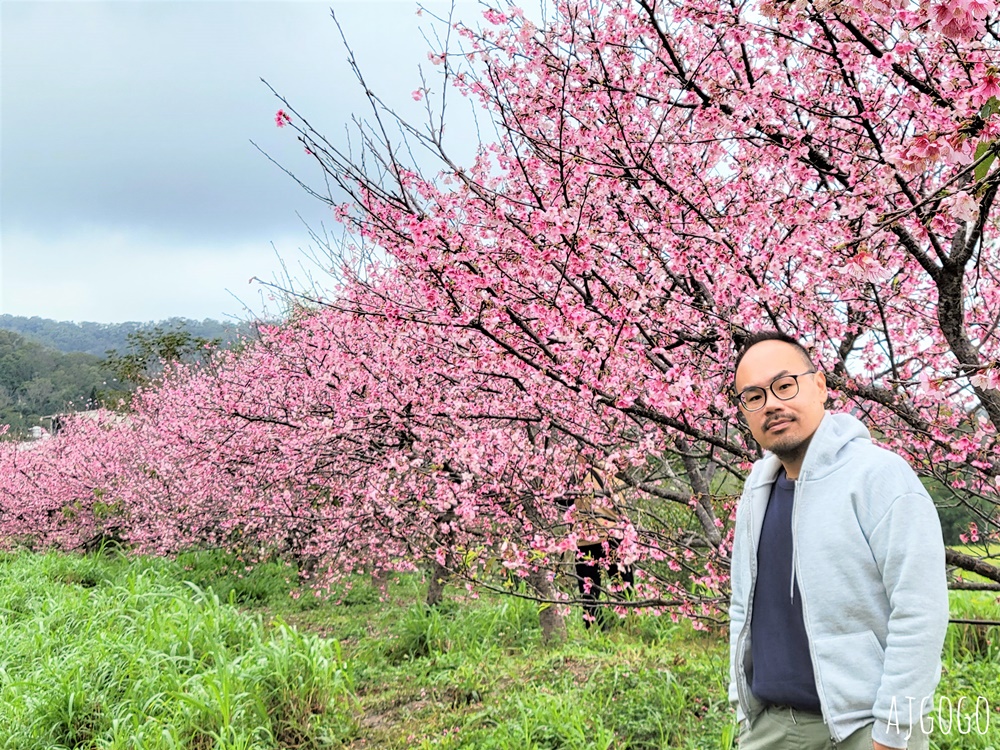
<point>98,338</point>
<point>36,380</point>
<point>55,367</point>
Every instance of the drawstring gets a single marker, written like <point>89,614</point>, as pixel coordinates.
<point>795,508</point>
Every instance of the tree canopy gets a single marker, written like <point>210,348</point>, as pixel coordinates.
<point>664,179</point>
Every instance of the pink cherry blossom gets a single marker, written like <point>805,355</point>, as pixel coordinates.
<point>989,87</point>
<point>282,118</point>
<point>964,207</point>
<point>961,20</point>
<point>570,300</point>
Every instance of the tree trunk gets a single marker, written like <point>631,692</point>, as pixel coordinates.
<point>435,590</point>
<point>972,564</point>
<point>550,619</point>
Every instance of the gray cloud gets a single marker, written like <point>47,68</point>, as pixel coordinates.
<point>141,113</point>
<point>134,119</point>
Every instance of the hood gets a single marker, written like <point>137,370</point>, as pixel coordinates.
<point>826,449</point>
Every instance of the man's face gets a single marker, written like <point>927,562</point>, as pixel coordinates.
<point>783,427</point>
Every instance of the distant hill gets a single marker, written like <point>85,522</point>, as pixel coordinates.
<point>98,338</point>
<point>36,380</point>
<point>49,367</point>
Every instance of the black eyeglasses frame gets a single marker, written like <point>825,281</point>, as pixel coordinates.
<point>770,387</point>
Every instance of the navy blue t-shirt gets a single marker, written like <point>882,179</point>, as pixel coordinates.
<point>782,668</point>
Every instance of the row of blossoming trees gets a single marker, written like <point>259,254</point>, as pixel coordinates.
<point>664,177</point>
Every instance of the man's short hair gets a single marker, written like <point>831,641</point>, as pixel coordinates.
<point>761,336</point>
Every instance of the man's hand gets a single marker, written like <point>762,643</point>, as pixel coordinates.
<point>880,746</point>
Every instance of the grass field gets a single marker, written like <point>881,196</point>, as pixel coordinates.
<point>199,654</point>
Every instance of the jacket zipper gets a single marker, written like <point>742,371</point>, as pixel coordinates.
<point>796,498</point>
<point>741,677</point>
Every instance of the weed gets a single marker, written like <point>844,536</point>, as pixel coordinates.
<point>143,660</point>
<point>109,652</point>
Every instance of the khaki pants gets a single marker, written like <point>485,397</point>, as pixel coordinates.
<point>782,728</point>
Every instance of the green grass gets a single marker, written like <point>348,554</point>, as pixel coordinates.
<point>989,548</point>
<point>102,653</point>
<point>201,653</point>
<point>971,666</point>
<point>474,674</point>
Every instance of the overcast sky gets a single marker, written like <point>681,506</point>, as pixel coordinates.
<point>129,189</point>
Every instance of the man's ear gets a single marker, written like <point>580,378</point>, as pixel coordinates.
<point>821,384</point>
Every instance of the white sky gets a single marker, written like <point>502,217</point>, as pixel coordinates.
<point>129,189</point>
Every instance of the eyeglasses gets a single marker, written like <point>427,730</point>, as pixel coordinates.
<point>784,388</point>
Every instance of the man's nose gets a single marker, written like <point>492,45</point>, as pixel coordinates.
<point>771,402</point>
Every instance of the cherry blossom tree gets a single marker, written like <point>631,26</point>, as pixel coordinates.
<point>352,442</point>
<point>62,493</point>
<point>667,176</point>
<point>662,179</point>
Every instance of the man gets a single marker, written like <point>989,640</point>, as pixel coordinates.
<point>839,599</point>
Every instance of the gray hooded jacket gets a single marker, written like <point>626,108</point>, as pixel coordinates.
<point>868,557</point>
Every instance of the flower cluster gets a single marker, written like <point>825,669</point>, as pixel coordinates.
<point>570,301</point>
